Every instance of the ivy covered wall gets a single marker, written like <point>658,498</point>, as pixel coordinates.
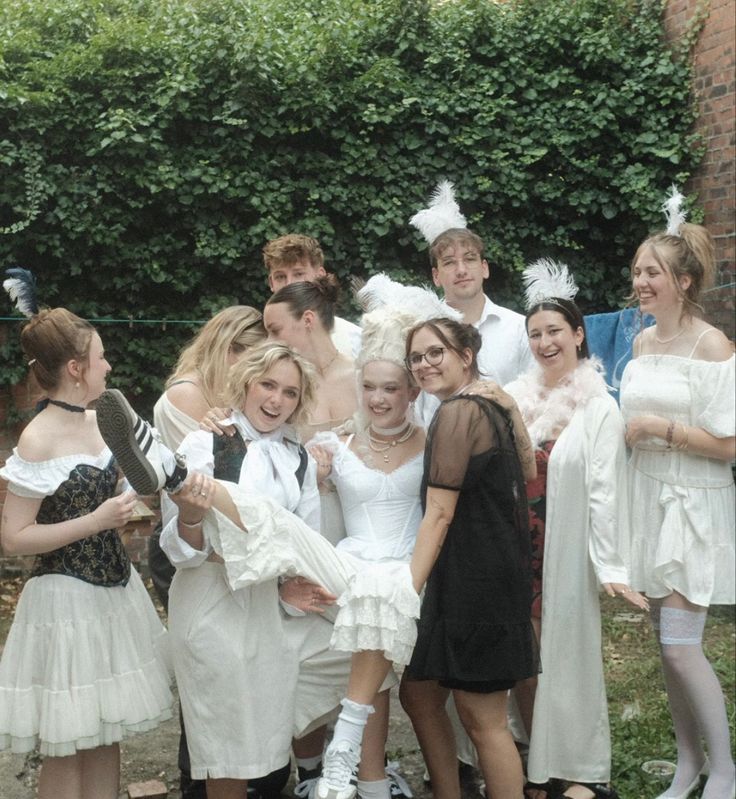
<point>149,148</point>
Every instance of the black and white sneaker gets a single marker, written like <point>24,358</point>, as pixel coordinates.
<point>339,765</point>
<point>397,785</point>
<point>137,447</point>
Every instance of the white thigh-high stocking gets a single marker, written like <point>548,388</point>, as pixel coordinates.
<point>696,703</point>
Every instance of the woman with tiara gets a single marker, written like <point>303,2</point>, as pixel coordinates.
<point>83,665</point>
<point>577,514</point>
<point>677,397</point>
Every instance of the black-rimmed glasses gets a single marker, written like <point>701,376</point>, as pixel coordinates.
<point>433,356</point>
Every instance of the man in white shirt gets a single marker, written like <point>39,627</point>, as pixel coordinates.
<point>459,269</point>
<point>294,258</point>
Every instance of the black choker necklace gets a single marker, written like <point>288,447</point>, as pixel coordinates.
<point>59,404</point>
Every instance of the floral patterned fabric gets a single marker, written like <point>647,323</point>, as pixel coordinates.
<point>99,559</point>
<point>536,494</point>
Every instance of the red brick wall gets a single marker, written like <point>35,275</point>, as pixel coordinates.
<point>715,88</point>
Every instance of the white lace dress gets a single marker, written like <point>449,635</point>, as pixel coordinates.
<point>682,505</point>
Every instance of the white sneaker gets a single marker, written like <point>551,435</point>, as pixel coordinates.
<point>136,445</point>
<point>339,763</point>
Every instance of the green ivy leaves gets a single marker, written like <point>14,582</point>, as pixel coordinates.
<point>149,148</point>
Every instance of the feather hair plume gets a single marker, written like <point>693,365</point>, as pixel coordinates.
<point>391,310</point>
<point>420,302</point>
<point>442,214</point>
<point>545,279</point>
<point>21,286</point>
<point>672,208</point>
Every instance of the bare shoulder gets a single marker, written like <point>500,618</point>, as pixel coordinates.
<point>35,442</point>
<point>712,345</point>
<point>188,398</point>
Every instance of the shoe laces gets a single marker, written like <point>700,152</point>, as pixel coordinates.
<point>305,789</point>
<point>338,765</point>
<point>398,786</point>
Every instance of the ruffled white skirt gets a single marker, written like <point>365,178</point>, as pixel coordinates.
<point>683,540</point>
<point>378,603</point>
<point>83,666</point>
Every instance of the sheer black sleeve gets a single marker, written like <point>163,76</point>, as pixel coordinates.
<point>459,430</point>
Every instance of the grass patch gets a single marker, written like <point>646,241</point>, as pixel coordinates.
<point>641,727</point>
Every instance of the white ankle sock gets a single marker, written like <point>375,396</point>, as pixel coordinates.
<point>351,722</point>
<point>378,789</point>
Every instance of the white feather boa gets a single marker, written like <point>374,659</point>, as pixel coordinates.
<point>547,411</point>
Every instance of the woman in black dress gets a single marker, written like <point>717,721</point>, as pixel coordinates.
<point>475,636</point>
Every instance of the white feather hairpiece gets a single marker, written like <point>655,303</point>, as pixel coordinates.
<point>391,310</point>
<point>442,214</point>
<point>545,280</point>
<point>672,208</point>
<point>380,291</point>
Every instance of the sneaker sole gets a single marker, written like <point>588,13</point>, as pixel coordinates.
<point>333,793</point>
<point>116,427</point>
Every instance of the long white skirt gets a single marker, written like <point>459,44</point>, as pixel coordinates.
<point>83,666</point>
<point>235,671</point>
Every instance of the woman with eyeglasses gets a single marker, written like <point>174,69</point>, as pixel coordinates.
<point>472,551</point>
<point>475,636</point>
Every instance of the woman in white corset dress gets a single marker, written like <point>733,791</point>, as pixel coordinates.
<point>377,471</point>
<point>677,398</point>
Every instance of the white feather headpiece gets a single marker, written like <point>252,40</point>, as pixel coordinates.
<point>672,208</point>
<point>391,310</point>
<point>442,214</point>
<point>545,280</point>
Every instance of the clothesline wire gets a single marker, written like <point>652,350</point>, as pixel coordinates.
<point>164,322</point>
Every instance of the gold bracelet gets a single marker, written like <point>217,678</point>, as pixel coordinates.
<point>685,439</point>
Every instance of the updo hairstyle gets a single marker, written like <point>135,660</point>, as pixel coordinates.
<point>52,338</point>
<point>319,296</point>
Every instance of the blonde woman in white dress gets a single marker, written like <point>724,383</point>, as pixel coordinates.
<point>677,397</point>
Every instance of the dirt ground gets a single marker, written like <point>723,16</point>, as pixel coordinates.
<point>152,755</point>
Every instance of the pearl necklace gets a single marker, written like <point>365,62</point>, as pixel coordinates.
<point>668,340</point>
<point>372,442</point>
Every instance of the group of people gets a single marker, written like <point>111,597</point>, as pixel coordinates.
<point>338,501</point>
